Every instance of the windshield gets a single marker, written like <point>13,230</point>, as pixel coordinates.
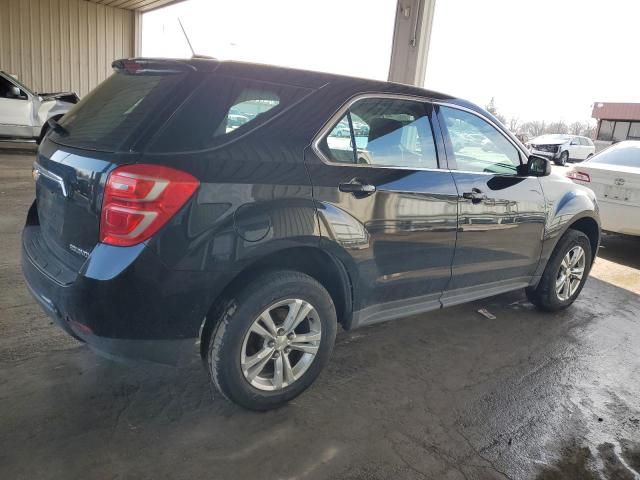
<point>626,154</point>
<point>106,119</point>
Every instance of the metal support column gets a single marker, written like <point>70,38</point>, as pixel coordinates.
<point>411,38</point>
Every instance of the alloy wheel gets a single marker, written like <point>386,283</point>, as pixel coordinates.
<point>570,273</point>
<point>281,344</point>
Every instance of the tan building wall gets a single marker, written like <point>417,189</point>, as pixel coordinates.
<point>63,45</point>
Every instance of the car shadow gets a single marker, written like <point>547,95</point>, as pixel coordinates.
<point>621,249</point>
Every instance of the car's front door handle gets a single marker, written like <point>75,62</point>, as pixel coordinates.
<point>357,187</point>
<point>475,195</point>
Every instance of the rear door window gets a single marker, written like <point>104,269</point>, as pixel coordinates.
<point>383,132</point>
<point>110,115</point>
<point>222,109</point>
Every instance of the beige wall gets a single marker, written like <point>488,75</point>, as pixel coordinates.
<point>63,45</point>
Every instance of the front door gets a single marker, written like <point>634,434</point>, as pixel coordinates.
<point>385,207</point>
<point>501,215</point>
<point>15,111</point>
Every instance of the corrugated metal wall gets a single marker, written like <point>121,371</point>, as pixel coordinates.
<point>63,45</point>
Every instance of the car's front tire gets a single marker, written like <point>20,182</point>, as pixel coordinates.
<point>272,340</point>
<point>564,158</point>
<point>565,274</point>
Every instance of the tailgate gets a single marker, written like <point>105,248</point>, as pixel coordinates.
<point>68,195</point>
<point>101,132</point>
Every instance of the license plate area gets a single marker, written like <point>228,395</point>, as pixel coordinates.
<point>619,194</point>
<point>51,210</point>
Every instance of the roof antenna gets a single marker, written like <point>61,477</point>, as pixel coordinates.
<point>193,53</point>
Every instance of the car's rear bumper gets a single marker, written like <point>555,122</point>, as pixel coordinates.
<point>123,302</point>
<point>619,218</point>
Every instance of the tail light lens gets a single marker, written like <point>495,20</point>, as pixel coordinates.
<point>140,199</point>
<point>580,176</point>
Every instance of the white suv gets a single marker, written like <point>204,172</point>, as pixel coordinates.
<point>562,148</point>
<point>24,114</point>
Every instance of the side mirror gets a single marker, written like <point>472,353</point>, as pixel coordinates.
<point>538,166</point>
<point>15,92</point>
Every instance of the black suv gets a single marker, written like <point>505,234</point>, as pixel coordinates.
<point>250,209</point>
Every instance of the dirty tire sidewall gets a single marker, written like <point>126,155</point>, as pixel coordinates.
<point>544,295</point>
<point>239,313</point>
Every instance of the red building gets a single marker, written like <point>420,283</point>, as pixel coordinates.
<point>617,121</point>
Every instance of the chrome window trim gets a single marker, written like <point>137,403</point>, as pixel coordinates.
<point>489,121</point>
<point>335,118</point>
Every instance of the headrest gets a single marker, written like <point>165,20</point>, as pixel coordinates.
<point>379,127</point>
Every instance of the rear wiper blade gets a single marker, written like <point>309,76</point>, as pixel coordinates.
<point>56,127</point>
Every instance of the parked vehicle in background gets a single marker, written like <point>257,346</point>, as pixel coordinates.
<point>614,176</point>
<point>236,120</point>
<point>562,148</point>
<point>24,114</point>
<point>156,227</point>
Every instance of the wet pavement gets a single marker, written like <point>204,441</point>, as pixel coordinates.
<point>449,395</point>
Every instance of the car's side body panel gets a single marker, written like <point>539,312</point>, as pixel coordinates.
<point>269,192</point>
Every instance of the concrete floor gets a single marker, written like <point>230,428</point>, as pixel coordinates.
<point>449,395</point>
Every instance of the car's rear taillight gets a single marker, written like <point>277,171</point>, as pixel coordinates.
<point>140,199</point>
<point>580,176</point>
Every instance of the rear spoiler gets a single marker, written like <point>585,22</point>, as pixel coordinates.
<point>163,65</point>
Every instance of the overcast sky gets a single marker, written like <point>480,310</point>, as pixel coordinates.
<point>540,59</point>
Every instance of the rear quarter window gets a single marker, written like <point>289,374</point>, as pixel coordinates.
<point>223,109</point>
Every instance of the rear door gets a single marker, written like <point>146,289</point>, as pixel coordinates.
<point>587,147</point>
<point>385,207</point>
<point>575,149</point>
<point>501,215</point>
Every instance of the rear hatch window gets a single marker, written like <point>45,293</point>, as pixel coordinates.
<point>111,116</point>
<point>223,109</point>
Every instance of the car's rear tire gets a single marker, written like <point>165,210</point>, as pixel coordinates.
<point>565,274</point>
<point>273,339</point>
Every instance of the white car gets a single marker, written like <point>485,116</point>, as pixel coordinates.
<point>24,114</point>
<point>562,148</point>
<point>614,176</point>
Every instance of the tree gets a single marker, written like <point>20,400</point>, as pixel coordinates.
<point>577,128</point>
<point>534,128</point>
<point>514,123</point>
<point>590,131</point>
<point>491,108</point>
<point>557,127</point>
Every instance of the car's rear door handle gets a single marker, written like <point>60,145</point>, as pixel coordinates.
<point>475,195</point>
<point>357,187</point>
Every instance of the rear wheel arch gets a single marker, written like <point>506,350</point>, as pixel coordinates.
<point>315,262</point>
